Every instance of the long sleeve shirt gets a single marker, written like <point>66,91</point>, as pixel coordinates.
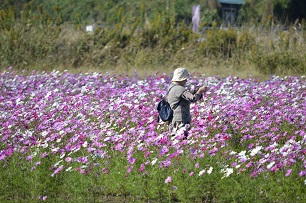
<point>177,93</point>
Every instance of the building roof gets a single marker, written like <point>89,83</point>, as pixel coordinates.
<point>232,1</point>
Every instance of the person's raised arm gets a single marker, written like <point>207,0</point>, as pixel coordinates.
<point>201,90</point>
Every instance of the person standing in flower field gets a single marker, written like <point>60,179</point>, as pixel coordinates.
<point>181,98</point>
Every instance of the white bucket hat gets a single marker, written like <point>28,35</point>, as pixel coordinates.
<point>180,74</point>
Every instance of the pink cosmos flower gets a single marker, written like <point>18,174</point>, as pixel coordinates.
<point>42,198</point>
<point>2,156</point>
<point>234,164</point>
<point>302,173</point>
<point>167,163</point>
<point>68,159</point>
<point>132,160</point>
<point>289,172</point>
<point>119,147</point>
<point>168,179</point>
<point>173,155</point>
<point>82,159</point>
<point>28,158</point>
<point>147,153</point>
<point>254,173</point>
<point>130,168</point>
<point>43,155</point>
<point>10,151</point>
<point>248,165</point>
<point>214,150</point>
<point>105,170</point>
<point>57,170</point>
<point>142,167</point>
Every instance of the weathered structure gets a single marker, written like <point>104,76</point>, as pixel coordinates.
<point>229,10</point>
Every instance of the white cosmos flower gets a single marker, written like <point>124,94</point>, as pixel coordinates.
<point>56,104</point>
<point>18,101</point>
<point>34,153</point>
<point>202,172</point>
<point>48,94</point>
<point>122,129</point>
<point>140,82</point>
<point>255,150</point>
<point>85,144</point>
<point>270,165</point>
<point>227,172</point>
<point>174,141</point>
<point>210,170</point>
<point>57,163</point>
<point>62,156</point>
<point>242,155</point>
<point>84,89</point>
<point>55,149</point>
<point>154,161</point>
<point>28,133</point>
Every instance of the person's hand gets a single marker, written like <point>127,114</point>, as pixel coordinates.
<point>202,89</point>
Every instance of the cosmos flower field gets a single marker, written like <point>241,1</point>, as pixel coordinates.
<point>97,135</point>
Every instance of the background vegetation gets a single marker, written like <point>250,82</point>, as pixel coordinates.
<point>152,35</point>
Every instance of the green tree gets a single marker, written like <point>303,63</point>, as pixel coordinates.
<point>112,11</point>
<point>290,9</point>
<point>281,10</point>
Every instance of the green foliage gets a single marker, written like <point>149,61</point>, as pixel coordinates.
<point>109,180</point>
<point>41,38</point>
<point>278,62</point>
<point>272,10</point>
<point>245,40</point>
<point>282,56</point>
<point>219,43</point>
<point>293,9</point>
<point>106,12</point>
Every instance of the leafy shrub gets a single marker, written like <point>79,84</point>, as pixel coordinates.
<point>245,40</point>
<point>280,62</point>
<point>219,43</point>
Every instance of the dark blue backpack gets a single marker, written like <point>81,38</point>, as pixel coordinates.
<point>165,113</point>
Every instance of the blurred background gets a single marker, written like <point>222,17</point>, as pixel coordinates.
<point>218,37</point>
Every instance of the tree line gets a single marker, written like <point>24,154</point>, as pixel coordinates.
<point>112,11</point>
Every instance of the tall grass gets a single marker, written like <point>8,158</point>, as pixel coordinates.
<point>42,42</point>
